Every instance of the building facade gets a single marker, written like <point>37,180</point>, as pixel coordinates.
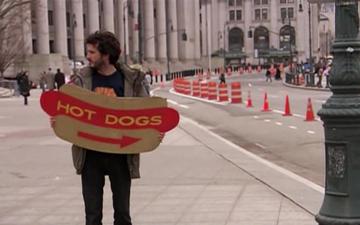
<point>199,32</point>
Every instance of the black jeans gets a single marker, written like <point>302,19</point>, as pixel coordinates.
<point>97,165</point>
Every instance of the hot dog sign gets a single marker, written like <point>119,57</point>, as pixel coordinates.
<point>108,124</point>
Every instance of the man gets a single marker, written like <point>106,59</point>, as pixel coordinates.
<point>59,79</point>
<point>24,85</point>
<point>50,80</point>
<point>105,76</point>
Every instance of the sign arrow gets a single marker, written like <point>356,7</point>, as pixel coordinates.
<point>123,141</point>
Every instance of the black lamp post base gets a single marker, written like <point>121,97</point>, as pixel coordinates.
<point>325,220</point>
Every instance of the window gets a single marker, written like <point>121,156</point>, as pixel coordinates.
<point>291,12</point>
<point>257,2</point>
<point>238,2</point>
<point>283,13</point>
<point>84,20</point>
<point>52,46</point>
<point>50,17</point>
<point>282,1</point>
<point>68,19</point>
<point>265,2</point>
<point>231,2</point>
<point>232,15</point>
<point>257,14</point>
<point>238,15</point>
<point>264,14</point>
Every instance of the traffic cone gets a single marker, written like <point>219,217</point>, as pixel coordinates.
<point>287,107</point>
<point>266,104</point>
<point>309,112</point>
<point>249,101</point>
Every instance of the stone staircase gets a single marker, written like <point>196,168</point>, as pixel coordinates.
<point>5,93</point>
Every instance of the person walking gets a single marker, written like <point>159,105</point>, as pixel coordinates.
<point>222,77</point>
<point>24,85</point>
<point>59,79</point>
<point>42,81</point>
<point>50,80</point>
<point>105,76</point>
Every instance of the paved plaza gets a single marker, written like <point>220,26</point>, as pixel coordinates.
<point>193,178</point>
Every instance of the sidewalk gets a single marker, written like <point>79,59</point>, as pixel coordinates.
<point>193,178</point>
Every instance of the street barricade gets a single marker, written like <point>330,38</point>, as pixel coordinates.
<point>223,93</point>
<point>212,90</point>
<point>236,92</point>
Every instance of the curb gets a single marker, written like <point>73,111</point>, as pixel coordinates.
<point>305,88</point>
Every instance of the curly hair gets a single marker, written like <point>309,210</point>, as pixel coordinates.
<point>106,43</point>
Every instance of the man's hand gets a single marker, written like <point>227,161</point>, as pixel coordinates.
<point>52,122</point>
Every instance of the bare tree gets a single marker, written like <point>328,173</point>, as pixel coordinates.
<point>11,31</point>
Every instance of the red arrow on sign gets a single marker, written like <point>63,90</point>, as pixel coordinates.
<point>123,142</point>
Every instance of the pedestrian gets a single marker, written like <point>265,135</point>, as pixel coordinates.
<point>268,75</point>
<point>105,76</point>
<point>50,80</point>
<point>59,79</point>
<point>24,85</point>
<point>222,78</point>
<point>42,81</point>
<point>278,72</point>
<point>326,74</point>
<point>320,76</point>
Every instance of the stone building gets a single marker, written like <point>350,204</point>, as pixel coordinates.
<point>185,32</point>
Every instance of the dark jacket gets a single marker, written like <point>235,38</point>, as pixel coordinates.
<point>24,84</point>
<point>133,87</point>
<point>59,79</point>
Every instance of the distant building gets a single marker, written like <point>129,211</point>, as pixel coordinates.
<point>251,31</point>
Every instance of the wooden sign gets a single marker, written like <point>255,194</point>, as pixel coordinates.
<point>108,124</point>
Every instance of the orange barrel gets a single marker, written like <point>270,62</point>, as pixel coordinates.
<point>187,87</point>
<point>212,90</point>
<point>195,88</point>
<point>203,89</point>
<point>180,86</point>
<point>236,92</point>
<point>223,93</point>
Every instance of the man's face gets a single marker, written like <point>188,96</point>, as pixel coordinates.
<point>95,58</point>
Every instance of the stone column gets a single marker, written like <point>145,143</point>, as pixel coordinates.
<point>181,25</point>
<point>93,15</point>
<point>77,9</point>
<point>197,53</point>
<point>249,42</point>
<point>108,15</point>
<point>215,14</point>
<point>203,28</point>
<point>190,29</point>
<point>135,29</point>
<point>26,29</point>
<point>222,20</point>
<point>149,30</point>
<point>173,39</point>
<point>42,27</point>
<point>274,38</point>
<point>120,22</point>
<point>300,34</point>
<point>60,27</point>
<point>161,31</point>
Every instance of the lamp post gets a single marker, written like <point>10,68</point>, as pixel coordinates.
<point>341,117</point>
